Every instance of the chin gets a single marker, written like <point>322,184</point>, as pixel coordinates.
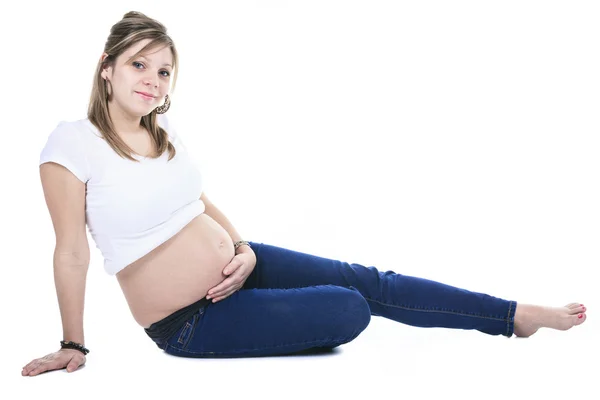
<point>143,111</point>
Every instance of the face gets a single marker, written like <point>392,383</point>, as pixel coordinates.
<point>149,73</point>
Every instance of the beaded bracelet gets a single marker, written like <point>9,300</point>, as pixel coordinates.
<point>239,243</point>
<point>72,345</point>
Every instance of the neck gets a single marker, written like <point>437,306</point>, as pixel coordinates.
<point>124,123</point>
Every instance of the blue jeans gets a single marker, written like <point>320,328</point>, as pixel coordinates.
<point>293,301</point>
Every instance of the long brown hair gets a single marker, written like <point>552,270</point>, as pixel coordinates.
<point>132,28</point>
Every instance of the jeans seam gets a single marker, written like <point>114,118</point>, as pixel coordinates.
<point>438,311</point>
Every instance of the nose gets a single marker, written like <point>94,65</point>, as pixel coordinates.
<point>151,80</point>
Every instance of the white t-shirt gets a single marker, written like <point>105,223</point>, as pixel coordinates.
<point>131,208</point>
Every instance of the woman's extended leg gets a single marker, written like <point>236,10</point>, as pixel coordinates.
<point>407,299</point>
<point>293,301</point>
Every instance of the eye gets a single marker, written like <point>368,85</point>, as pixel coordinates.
<point>135,63</point>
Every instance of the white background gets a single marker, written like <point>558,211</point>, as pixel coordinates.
<point>455,141</point>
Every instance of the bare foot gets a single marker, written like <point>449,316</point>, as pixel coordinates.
<point>529,318</point>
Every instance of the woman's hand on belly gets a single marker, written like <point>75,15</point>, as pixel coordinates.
<point>179,272</point>
<point>237,271</point>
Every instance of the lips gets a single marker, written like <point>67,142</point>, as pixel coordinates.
<point>147,94</point>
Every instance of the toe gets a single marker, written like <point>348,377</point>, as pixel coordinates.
<point>578,309</point>
<point>575,308</point>
<point>578,319</point>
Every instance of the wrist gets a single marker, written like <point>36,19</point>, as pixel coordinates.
<point>74,340</point>
<point>244,250</point>
<point>241,246</point>
<point>71,351</point>
<point>65,344</point>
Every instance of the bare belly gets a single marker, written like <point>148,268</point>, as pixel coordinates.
<point>178,272</point>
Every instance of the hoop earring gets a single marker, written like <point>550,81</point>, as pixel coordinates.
<point>165,107</point>
<point>107,88</point>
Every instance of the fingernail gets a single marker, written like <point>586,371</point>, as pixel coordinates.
<point>208,297</point>
<point>580,315</point>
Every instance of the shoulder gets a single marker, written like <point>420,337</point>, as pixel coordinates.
<point>64,146</point>
<point>65,132</point>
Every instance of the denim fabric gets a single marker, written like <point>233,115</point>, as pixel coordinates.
<point>162,330</point>
<point>294,301</point>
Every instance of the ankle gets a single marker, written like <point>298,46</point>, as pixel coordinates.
<point>528,313</point>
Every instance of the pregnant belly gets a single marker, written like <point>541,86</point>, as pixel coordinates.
<point>178,272</point>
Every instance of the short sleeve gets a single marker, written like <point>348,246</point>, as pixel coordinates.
<point>64,146</point>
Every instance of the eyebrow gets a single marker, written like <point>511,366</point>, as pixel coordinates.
<point>164,65</point>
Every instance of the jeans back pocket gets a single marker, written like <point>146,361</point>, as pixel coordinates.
<point>187,332</point>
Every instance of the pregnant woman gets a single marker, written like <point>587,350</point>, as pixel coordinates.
<point>195,286</point>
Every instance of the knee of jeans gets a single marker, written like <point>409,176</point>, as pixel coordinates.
<point>360,310</point>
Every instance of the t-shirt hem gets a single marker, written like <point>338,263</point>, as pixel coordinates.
<point>185,216</point>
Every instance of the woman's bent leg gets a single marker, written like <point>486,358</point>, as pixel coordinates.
<point>406,299</point>
<point>263,322</point>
